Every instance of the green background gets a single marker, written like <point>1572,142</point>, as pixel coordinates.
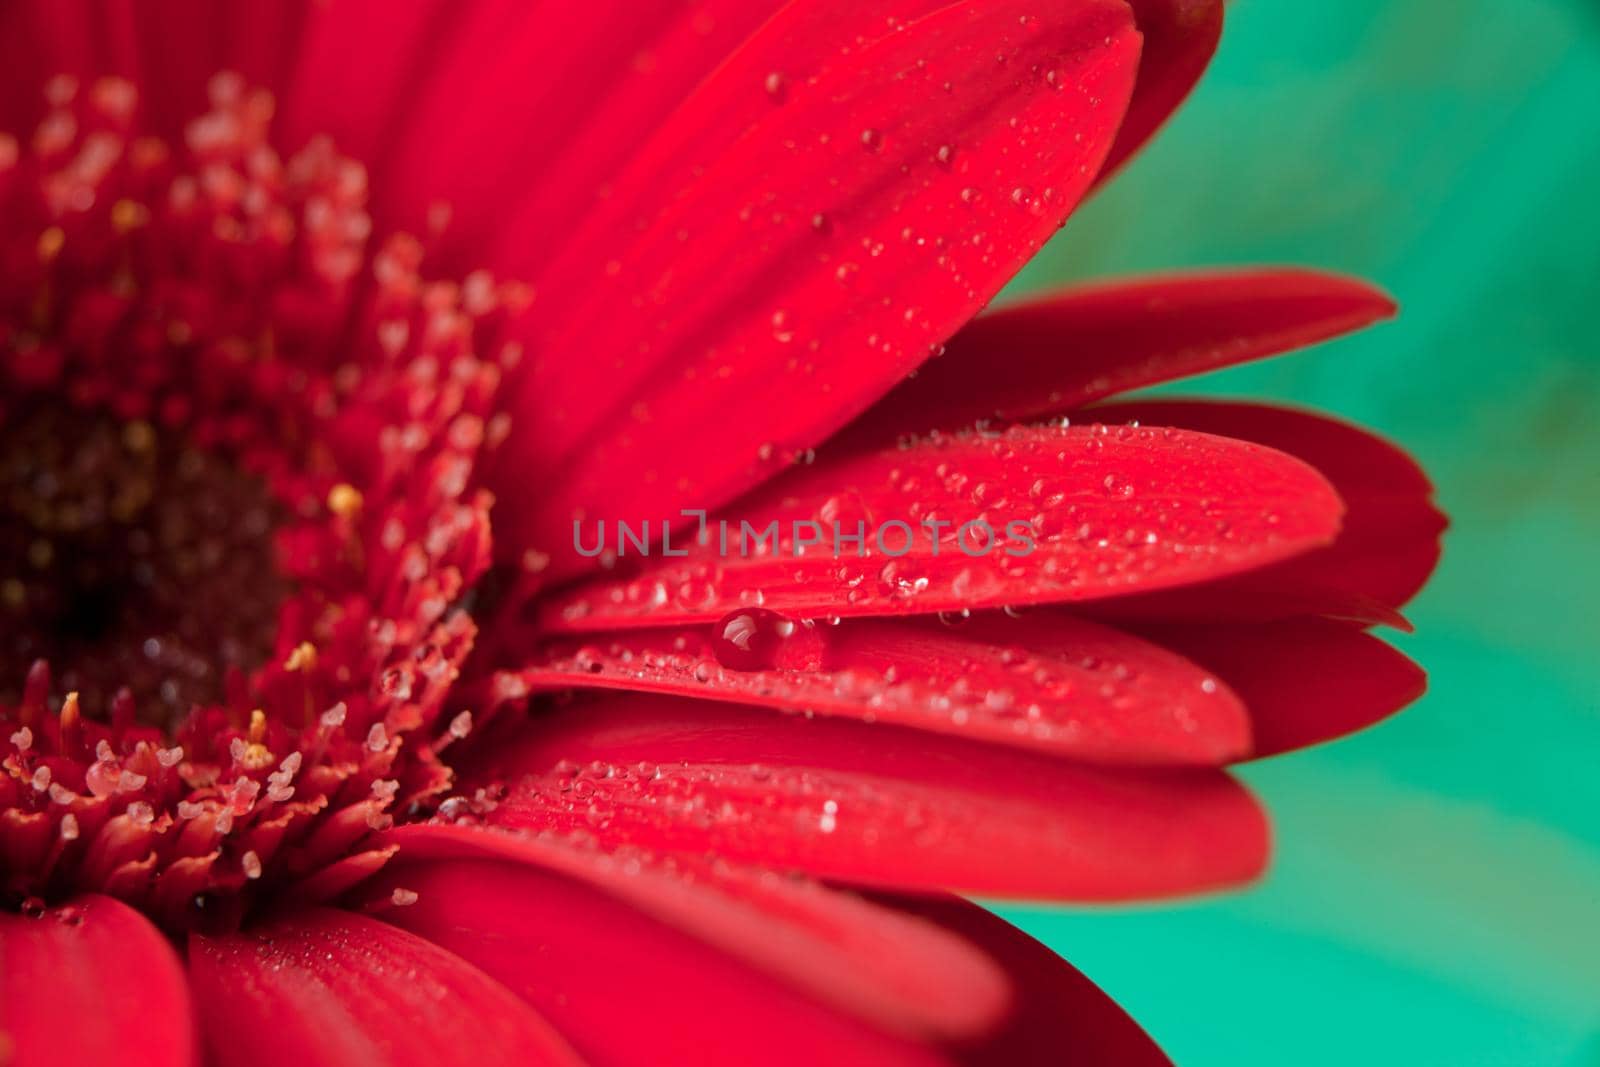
<point>1435,896</point>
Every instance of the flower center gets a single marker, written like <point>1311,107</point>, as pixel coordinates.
<point>131,559</point>
<point>239,525</point>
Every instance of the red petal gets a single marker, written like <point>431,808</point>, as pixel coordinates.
<point>261,42</point>
<point>836,947</point>
<point>1058,352</point>
<point>334,988</point>
<point>170,50</point>
<point>1180,37</point>
<point>876,804</point>
<point>575,954</point>
<point>1305,681</point>
<point>1113,511</point>
<point>812,264</point>
<point>1387,548</point>
<point>1046,681</point>
<point>663,137</point>
<point>174,50</point>
<point>359,65</point>
<point>91,982</point>
<point>37,42</point>
<point>532,108</point>
<point>1059,1007</point>
<point>562,128</point>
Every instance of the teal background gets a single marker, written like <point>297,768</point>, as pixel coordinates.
<point>1435,897</point>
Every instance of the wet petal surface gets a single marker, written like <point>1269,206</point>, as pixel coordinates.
<point>1305,681</point>
<point>874,804</point>
<point>1388,545</point>
<point>802,271</point>
<point>1035,514</point>
<point>867,961</point>
<point>581,952</point>
<point>324,987</point>
<point>1042,681</point>
<point>1053,353</point>
<point>91,981</point>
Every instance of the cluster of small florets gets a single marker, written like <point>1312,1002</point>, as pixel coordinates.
<point>218,292</point>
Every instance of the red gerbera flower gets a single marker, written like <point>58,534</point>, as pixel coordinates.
<point>324,327</point>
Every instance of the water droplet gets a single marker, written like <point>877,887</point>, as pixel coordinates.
<point>1116,485</point>
<point>755,639</point>
<point>782,331</point>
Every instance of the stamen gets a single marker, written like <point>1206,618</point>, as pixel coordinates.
<point>344,500</point>
<point>215,446</point>
<point>251,864</point>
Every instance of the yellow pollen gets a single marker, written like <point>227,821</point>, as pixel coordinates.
<point>344,500</point>
<point>129,215</point>
<point>256,754</point>
<point>50,242</point>
<point>302,658</point>
<point>69,709</point>
<point>138,436</point>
